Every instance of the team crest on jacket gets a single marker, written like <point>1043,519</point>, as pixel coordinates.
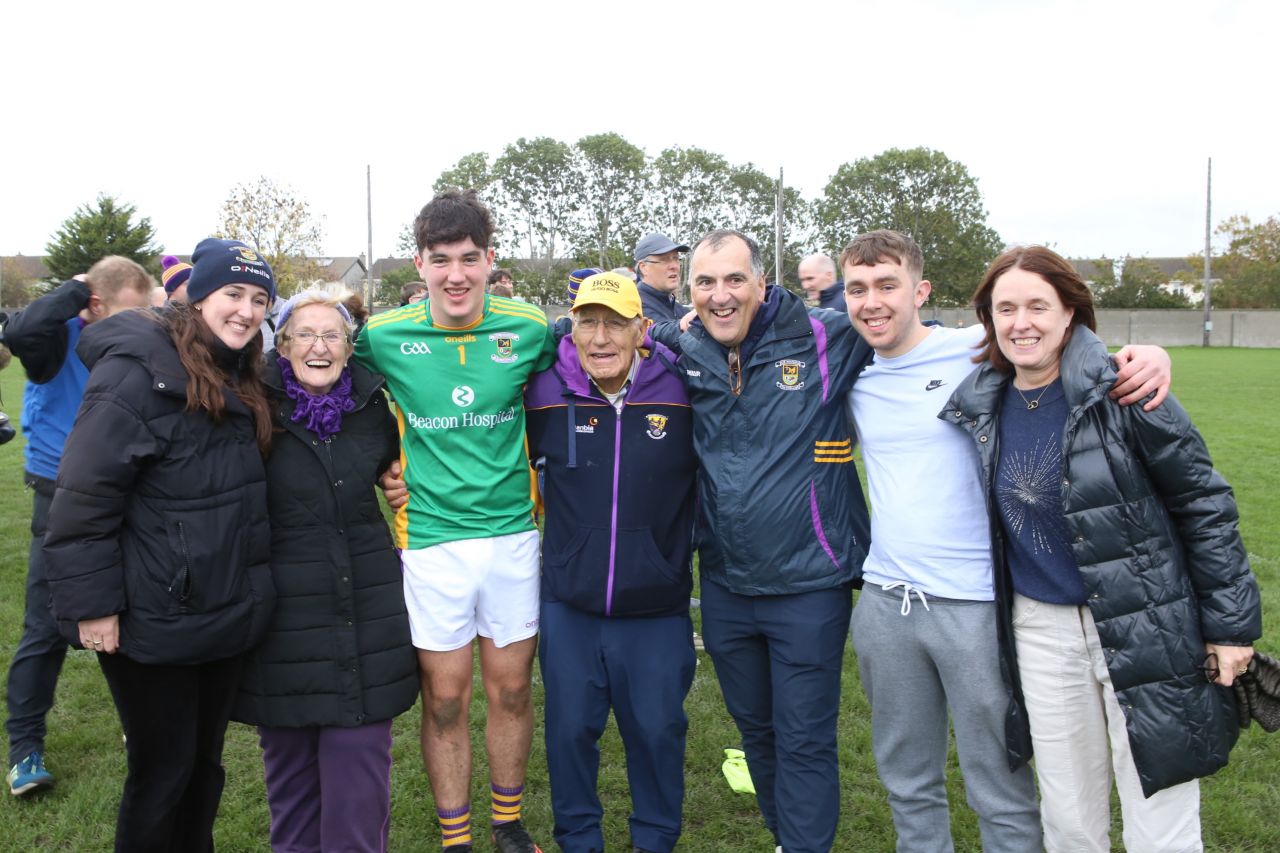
<point>504,341</point>
<point>657,426</point>
<point>791,380</point>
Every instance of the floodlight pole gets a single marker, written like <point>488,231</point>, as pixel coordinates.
<point>1208,286</point>
<point>777,233</point>
<point>368,268</point>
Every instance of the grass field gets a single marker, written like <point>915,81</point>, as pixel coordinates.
<point>1231,394</point>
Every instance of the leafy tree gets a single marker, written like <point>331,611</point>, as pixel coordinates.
<point>690,193</point>
<point>537,183</point>
<point>1139,286</point>
<point>389,289</point>
<point>542,280</point>
<point>17,287</point>
<point>924,194</point>
<point>752,210</point>
<point>1249,271</point>
<point>614,183</point>
<point>471,172</point>
<point>279,225</point>
<point>96,230</point>
<point>407,244</point>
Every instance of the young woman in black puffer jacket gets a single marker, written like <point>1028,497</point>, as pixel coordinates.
<point>158,540</point>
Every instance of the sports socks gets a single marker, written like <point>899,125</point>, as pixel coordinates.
<point>506,803</point>
<point>455,825</point>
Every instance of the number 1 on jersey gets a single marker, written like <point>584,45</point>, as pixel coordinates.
<point>462,353</point>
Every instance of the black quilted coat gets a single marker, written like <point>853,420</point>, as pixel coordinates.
<point>160,513</point>
<point>1155,536</point>
<point>338,652</point>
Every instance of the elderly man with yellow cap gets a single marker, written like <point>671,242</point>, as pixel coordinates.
<point>609,427</point>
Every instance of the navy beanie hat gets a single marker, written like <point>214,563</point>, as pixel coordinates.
<point>217,263</point>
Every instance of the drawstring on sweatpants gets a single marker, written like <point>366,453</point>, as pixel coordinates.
<point>907,589</point>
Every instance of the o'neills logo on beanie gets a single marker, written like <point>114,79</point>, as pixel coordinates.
<point>217,263</point>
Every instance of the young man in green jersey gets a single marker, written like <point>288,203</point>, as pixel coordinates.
<point>457,363</point>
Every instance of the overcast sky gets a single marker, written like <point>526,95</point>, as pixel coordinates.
<point>1087,124</point>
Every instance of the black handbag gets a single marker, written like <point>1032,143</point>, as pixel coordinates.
<point>1258,693</point>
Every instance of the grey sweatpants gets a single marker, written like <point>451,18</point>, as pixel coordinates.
<point>914,667</point>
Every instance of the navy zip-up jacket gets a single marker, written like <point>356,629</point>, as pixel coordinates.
<point>782,510</point>
<point>619,490</point>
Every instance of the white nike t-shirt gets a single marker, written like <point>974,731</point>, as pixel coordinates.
<point>929,524</point>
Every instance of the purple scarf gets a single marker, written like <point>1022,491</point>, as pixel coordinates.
<point>321,412</point>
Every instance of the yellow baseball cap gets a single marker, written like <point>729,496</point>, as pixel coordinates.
<point>612,291</point>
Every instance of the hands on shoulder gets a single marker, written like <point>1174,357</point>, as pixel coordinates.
<point>1143,370</point>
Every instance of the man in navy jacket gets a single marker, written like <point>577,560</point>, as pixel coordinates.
<point>783,527</point>
<point>609,428</point>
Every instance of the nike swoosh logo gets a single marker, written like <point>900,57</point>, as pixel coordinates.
<point>934,383</point>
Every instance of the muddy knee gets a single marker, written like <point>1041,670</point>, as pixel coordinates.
<point>447,714</point>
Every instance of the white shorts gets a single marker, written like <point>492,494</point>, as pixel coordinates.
<point>459,589</point>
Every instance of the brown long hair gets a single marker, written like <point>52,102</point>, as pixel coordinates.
<point>194,341</point>
<point>1054,269</point>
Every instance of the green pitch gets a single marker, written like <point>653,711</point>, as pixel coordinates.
<point>1233,396</point>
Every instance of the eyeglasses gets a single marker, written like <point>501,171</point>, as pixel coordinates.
<point>735,372</point>
<point>612,325</point>
<point>658,262</point>
<point>309,338</point>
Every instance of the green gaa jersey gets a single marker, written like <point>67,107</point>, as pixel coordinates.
<point>458,396</point>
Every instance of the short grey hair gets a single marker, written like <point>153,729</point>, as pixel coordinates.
<point>716,240</point>
<point>332,294</point>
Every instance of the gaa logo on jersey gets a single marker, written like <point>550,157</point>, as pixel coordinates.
<point>504,343</point>
<point>657,426</point>
<point>790,374</point>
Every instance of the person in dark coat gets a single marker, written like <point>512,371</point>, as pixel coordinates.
<point>1117,550</point>
<point>609,426</point>
<point>158,540</point>
<point>337,665</point>
<point>657,259</point>
<point>783,528</point>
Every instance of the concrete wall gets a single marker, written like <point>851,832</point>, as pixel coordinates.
<point>1166,328</point>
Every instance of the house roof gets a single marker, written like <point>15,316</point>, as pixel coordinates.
<point>339,267</point>
<point>1169,267</point>
<point>29,266</point>
<point>382,266</point>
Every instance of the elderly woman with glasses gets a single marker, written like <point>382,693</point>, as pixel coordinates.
<point>1118,559</point>
<point>337,665</point>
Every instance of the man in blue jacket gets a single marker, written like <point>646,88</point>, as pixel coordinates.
<point>783,527</point>
<point>609,427</point>
<point>44,338</point>
<point>657,259</point>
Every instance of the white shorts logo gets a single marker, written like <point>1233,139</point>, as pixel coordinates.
<point>415,348</point>
<point>463,396</point>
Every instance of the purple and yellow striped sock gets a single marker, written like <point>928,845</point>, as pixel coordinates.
<point>506,803</point>
<point>455,825</point>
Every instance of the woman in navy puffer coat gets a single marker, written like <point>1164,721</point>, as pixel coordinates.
<point>1132,606</point>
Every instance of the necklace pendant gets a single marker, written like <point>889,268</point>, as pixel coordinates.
<point>1033,404</point>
